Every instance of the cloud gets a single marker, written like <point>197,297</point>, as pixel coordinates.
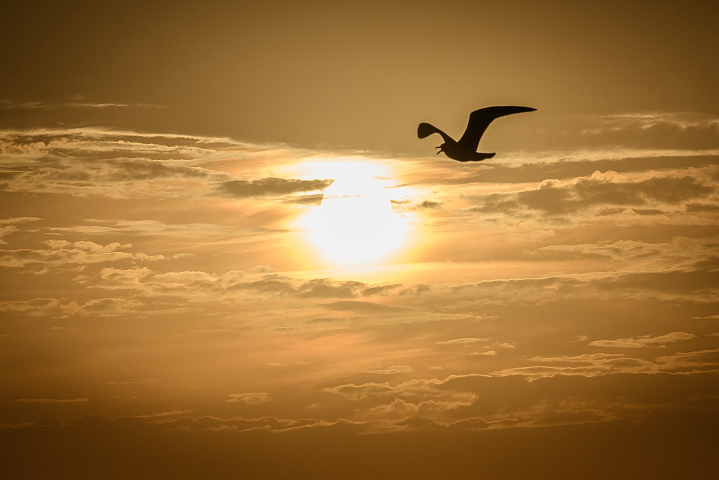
<point>362,307</point>
<point>109,307</point>
<point>287,364</point>
<point>256,398</point>
<point>11,105</point>
<point>462,341</point>
<point>103,307</point>
<point>553,198</point>
<point>62,401</point>
<point>111,164</point>
<point>641,342</point>
<point>593,365</point>
<point>271,186</point>
<point>169,413</point>
<point>9,225</point>
<point>487,353</point>
<point>394,369</point>
<point>404,205</point>
<point>154,228</point>
<point>415,387</point>
<point>326,288</point>
<point>659,129</point>
<point>599,191</point>
<point>62,252</point>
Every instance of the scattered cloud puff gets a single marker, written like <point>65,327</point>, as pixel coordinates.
<point>488,353</point>
<point>641,342</point>
<point>409,205</point>
<point>256,398</point>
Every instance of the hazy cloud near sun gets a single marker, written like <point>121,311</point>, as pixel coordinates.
<point>272,186</point>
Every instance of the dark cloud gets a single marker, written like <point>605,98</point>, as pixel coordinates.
<point>271,186</point>
<point>701,207</point>
<point>128,170</point>
<point>326,288</point>
<point>427,204</point>
<point>555,198</point>
<point>654,130</point>
<point>379,289</point>
<point>312,199</point>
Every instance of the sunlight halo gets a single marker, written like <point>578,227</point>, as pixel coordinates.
<point>355,224</point>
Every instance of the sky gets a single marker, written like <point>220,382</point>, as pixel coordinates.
<point>224,251</point>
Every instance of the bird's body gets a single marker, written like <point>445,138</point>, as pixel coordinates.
<point>465,150</point>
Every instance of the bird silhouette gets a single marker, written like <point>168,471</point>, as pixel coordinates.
<point>466,149</point>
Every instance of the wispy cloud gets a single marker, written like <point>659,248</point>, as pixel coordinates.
<point>62,252</point>
<point>256,398</point>
<point>641,342</point>
<point>58,401</point>
<point>462,341</point>
<point>394,369</point>
<point>10,225</point>
<point>10,105</point>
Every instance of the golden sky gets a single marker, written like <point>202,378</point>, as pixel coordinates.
<point>225,253</point>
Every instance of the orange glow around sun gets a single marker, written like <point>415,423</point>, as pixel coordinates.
<point>355,224</point>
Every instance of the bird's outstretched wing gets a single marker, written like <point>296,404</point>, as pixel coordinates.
<point>425,130</point>
<point>480,119</point>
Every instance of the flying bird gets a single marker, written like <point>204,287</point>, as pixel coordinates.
<point>466,149</point>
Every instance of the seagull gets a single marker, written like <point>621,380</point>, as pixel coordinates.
<point>466,149</point>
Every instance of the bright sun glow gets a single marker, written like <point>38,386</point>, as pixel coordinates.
<point>355,224</point>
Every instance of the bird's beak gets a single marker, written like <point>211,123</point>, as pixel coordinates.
<point>439,151</point>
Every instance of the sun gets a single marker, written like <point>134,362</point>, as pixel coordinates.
<point>355,223</point>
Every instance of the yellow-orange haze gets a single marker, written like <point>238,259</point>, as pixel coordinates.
<point>225,254</point>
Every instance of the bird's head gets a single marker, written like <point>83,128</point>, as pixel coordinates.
<point>440,148</point>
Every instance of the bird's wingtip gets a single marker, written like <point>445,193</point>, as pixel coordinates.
<point>425,130</point>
